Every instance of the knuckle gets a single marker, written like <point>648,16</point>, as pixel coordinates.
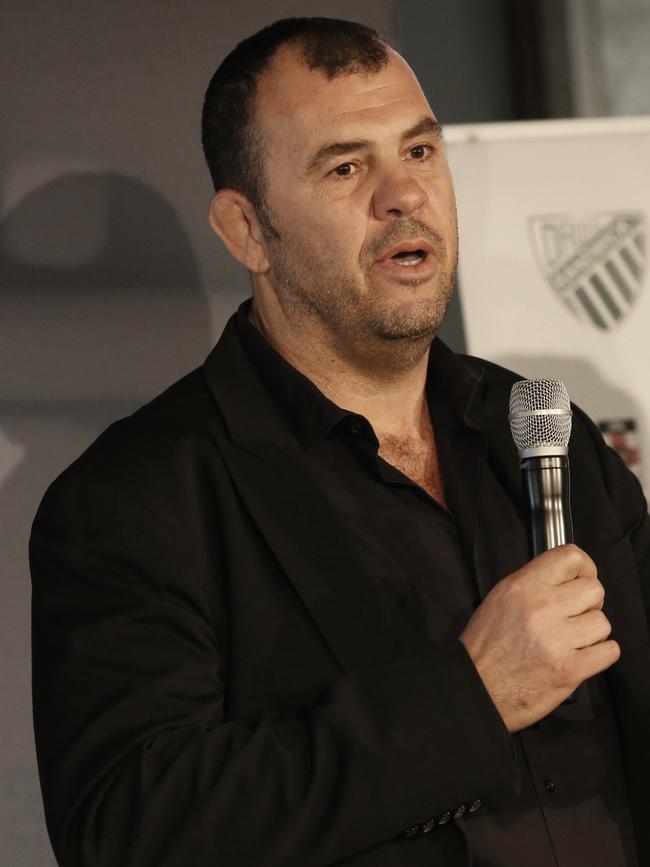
<point>599,586</point>
<point>511,590</point>
<point>577,560</point>
<point>573,556</point>
<point>606,625</point>
<point>597,590</point>
<point>572,550</point>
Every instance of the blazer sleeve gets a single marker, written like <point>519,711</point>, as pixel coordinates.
<point>139,761</point>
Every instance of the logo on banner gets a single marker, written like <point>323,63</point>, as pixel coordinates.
<point>623,436</point>
<point>595,263</point>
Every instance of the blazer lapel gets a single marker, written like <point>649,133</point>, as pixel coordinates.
<point>499,521</point>
<point>362,627</point>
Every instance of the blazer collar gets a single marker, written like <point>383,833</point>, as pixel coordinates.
<point>262,423</point>
<point>307,412</point>
<point>247,411</point>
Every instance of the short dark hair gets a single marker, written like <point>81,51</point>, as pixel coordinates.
<point>231,143</point>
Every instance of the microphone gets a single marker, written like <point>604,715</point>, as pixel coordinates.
<point>540,422</point>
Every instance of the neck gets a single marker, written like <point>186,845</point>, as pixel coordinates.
<point>385,382</point>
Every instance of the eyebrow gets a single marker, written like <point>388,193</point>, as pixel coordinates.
<point>425,126</point>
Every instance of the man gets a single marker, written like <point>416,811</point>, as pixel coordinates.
<point>283,615</point>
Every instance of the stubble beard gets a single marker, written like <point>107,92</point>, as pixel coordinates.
<point>362,323</point>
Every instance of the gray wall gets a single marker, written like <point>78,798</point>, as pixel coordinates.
<point>461,53</point>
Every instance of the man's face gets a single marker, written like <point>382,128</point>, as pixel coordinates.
<point>359,191</point>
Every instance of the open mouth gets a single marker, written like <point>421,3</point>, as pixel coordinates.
<point>416,254</point>
<point>409,258</point>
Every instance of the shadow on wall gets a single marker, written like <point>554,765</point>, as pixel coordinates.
<point>101,291</point>
<point>102,309</point>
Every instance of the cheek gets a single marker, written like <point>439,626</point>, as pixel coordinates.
<point>349,225</point>
<point>323,226</point>
<point>449,196</point>
<point>444,204</point>
<point>338,231</point>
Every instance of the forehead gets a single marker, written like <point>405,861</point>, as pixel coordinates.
<point>296,106</point>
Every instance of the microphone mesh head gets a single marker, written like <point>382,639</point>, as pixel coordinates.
<point>540,416</point>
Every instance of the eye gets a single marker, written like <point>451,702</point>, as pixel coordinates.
<point>421,152</point>
<point>344,171</point>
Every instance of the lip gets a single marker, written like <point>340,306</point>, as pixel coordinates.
<point>404,274</point>
<point>408,247</point>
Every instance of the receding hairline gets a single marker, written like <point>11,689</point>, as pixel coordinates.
<point>297,48</point>
<point>290,52</point>
<point>293,50</point>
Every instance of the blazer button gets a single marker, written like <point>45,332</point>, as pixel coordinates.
<point>446,816</point>
<point>460,811</point>
<point>476,805</point>
<point>412,832</point>
<point>428,826</point>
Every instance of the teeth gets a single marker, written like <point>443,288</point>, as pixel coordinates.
<point>414,260</point>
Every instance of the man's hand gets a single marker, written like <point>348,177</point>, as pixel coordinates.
<point>539,634</point>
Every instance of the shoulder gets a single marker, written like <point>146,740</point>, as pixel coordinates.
<point>160,445</point>
<point>494,384</point>
<point>492,374</point>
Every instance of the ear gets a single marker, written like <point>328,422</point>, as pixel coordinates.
<point>233,218</point>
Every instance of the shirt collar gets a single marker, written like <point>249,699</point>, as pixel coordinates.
<point>451,381</point>
<point>311,415</point>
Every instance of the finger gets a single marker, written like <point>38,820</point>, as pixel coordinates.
<point>589,628</point>
<point>580,595</point>
<point>599,657</point>
<point>563,564</point>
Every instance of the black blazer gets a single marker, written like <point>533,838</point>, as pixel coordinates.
<point>217,680</point>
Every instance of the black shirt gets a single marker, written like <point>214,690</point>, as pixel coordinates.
<point>572,809</point>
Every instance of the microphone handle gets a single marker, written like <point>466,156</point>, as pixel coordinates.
<point>546,481</point>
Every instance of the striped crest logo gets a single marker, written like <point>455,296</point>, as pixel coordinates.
<point>595,264</point>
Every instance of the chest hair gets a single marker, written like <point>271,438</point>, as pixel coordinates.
<point>417,458</point>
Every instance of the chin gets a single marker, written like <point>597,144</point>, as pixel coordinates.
<point>408,321</point>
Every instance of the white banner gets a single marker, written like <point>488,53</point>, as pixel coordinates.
<point>553,219</point>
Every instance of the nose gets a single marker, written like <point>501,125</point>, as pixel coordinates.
<point>397,194</point>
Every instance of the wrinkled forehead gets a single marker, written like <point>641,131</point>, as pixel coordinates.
<point>296,105</point>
